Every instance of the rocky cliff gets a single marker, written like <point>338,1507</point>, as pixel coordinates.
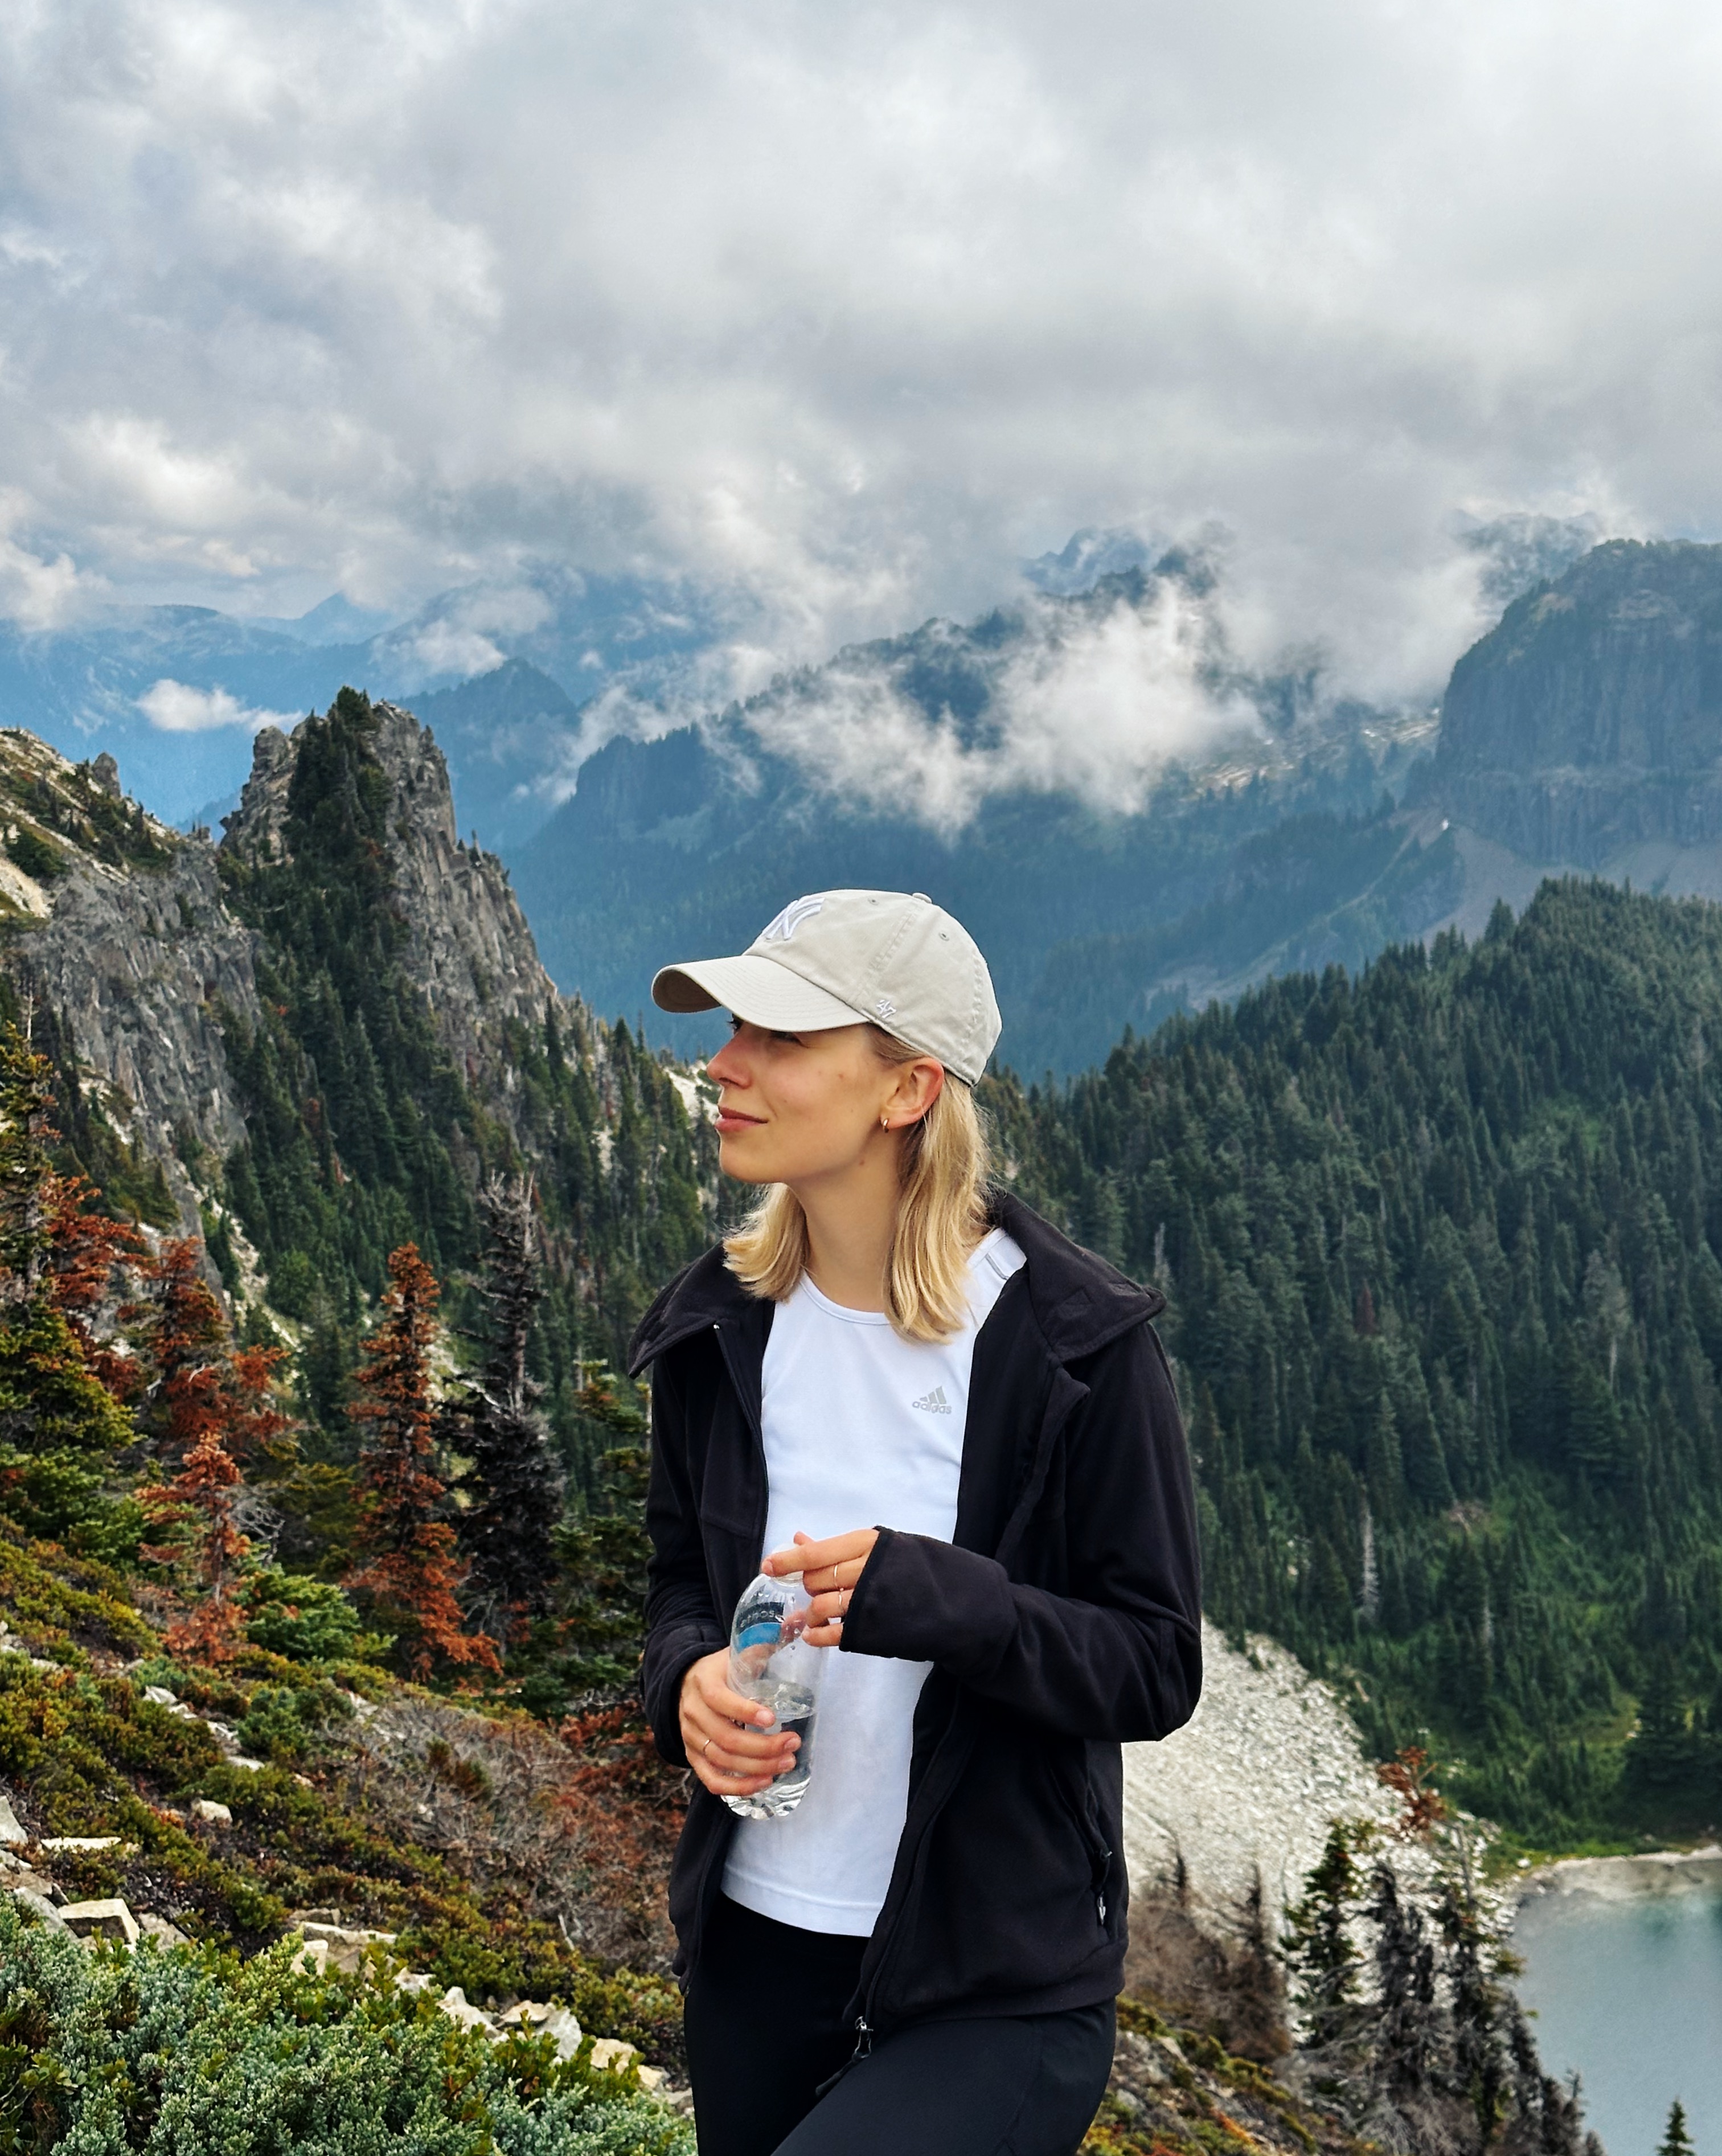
<point>469,948</point>
<point>124,928</point>
<point>119,925</point>
<point>1590,720</point>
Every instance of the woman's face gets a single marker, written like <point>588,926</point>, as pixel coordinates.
<point>797,1107</point>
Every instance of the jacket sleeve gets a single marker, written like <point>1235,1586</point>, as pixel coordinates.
<point>681,1624</point>
<point>1119,1656</point>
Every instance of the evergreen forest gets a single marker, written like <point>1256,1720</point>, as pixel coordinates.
<point>1440,1247</point>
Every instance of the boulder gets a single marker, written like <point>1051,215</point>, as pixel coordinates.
<point>11,1833</point>
<point>206,1808</point>
<point>346,1945</point>
<point>454,2004</point>
<point>100,1920</point>
<point>159,1696</point>
<point>67,1843</point>
<point>38,1905</point>
<point>531,2018</point>
<point>610,2054</point>
<point>159,1928</point>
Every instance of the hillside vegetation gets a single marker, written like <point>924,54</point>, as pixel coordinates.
<point>1441,1245</point>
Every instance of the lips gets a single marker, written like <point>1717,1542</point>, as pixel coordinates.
<point>732,1120</point>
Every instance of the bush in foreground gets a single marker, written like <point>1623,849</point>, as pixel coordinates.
<point>196,2053</point>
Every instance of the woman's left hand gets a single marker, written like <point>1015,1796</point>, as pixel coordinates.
<point>828,1570</point>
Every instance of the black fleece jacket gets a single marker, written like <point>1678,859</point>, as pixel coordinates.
<point>1062,1619</point>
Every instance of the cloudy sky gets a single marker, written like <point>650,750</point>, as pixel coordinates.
<point>850,307</point>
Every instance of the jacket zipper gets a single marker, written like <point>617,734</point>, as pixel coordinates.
<point>1036,1475</point>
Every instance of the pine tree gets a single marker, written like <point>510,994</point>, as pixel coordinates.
<point>214,1409</point>
<point>409,1570</point>
<point>59,1421</point>
<point>514,1484</point>
<point>1319,1947</point>
<point>1676,2141</point>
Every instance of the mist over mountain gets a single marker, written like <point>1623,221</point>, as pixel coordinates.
<point>1185,828</point>
<point>1092,783</point>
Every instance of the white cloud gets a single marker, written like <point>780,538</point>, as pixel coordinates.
<point>172,707</point>
<point>851,308</point>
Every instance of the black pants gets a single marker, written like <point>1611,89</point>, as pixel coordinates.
<point>765,2026</point>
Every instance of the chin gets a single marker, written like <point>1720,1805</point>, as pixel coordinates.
<point>734,1161</point>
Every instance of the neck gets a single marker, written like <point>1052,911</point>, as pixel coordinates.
<point>850,1219</point>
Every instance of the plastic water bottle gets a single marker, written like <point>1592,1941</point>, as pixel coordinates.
<point>771,1662</point>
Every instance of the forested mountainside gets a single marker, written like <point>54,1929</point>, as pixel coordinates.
<point>1441,1246</point>
<point>316,1042</point>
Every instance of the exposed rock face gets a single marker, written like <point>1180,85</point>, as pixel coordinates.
<point>471,950</point>
<point>120,925</point>
<point>123,927</point>
<point>1590,720</point>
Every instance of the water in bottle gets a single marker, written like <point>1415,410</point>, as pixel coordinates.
<point>771,1662</point>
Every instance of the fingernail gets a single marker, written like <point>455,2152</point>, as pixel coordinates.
<point>765,1717</point>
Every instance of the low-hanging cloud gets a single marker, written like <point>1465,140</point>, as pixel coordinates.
<point>1097,701</point>
<point>851,309</point>
<point>174,707</point>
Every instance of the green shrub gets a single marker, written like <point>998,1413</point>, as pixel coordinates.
<point>283,1721</point>
<point>308,1620</point>
<point>35,856</point>
<point>197,2053</point>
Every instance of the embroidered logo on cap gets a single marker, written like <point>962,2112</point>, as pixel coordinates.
<point>783,929</point>
<point>885,1008</point>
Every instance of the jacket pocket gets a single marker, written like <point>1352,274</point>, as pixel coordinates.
<point>1077,1790</point>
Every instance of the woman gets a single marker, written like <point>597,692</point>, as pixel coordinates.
<point>959,1428</point>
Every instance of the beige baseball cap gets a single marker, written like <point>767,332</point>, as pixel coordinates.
<point>836,958</point>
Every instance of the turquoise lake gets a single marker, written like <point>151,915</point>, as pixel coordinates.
<point>1629,1992</point>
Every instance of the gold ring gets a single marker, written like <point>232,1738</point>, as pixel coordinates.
<point>705,1749</point>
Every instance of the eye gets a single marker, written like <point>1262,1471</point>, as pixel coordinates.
<point>793,1037</point>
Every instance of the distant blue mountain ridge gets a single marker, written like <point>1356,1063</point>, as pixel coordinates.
<point>504,669</point>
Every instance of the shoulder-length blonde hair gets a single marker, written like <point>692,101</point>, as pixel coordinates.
<point>941,1214</point>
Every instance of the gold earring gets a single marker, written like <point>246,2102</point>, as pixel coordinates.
<point>884,1122</point>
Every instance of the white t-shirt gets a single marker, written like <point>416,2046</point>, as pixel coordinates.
<point>863,1429</point>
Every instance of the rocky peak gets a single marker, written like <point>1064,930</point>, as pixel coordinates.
<point>469,948</point>
<point>1590,720</point>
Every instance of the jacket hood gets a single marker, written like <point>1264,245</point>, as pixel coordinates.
<point>1080,1302</point>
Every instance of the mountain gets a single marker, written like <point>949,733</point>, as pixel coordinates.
<point>895,765</point>
<point>1583,733</point>
<point>1587,726</point>
<point>174,693</point>
<point>317,1038</point>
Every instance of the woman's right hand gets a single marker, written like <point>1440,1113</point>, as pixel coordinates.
<point>732,1743</point>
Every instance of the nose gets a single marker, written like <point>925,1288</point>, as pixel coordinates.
<point>728,1066</point>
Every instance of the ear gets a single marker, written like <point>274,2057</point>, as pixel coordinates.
<point>917,1086</point>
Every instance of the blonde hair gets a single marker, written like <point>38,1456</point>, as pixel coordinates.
<point>941,1214</point>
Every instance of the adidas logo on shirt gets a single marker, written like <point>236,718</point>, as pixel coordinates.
<point>933,1403</point>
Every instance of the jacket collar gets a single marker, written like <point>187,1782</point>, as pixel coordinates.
<point>1080,1302</point>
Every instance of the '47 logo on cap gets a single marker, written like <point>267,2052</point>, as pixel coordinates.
<point>783,929</point>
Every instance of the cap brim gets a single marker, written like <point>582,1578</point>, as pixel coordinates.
<point>757,989</point>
